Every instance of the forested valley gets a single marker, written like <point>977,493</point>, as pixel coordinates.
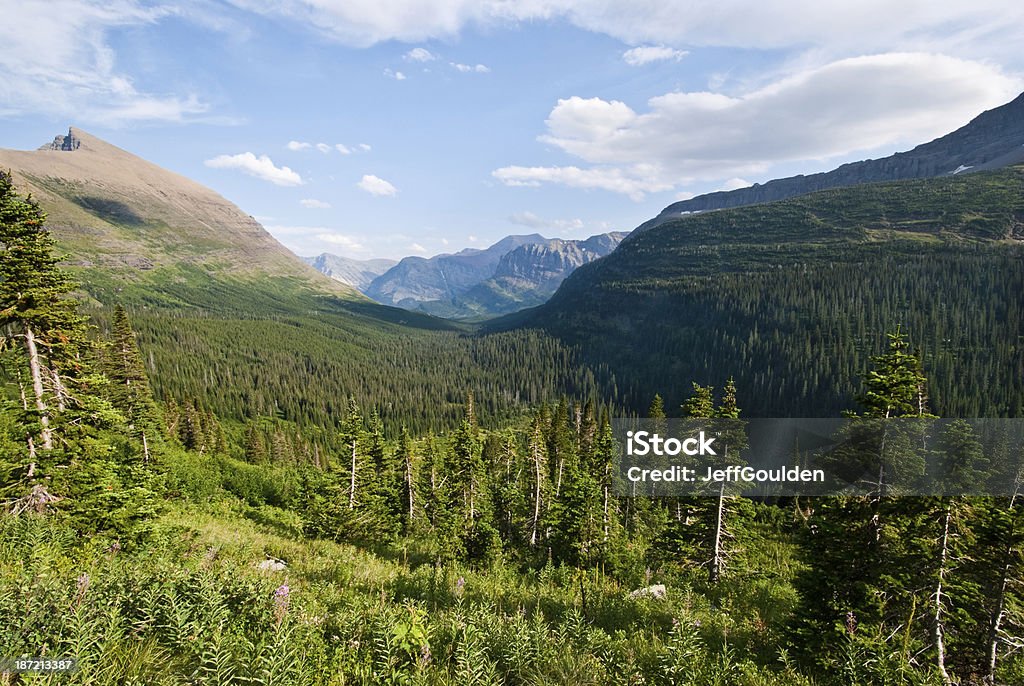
<point>173,522</point>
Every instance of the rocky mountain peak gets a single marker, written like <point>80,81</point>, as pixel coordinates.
<point>68,143</point>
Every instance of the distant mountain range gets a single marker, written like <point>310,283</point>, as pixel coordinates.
<point>356,273</point>
<point>993,139</point>
<point>516,272</point>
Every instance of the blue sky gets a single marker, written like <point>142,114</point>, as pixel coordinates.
<point>394,127</point>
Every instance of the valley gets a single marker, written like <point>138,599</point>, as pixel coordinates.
<point>221,464</point>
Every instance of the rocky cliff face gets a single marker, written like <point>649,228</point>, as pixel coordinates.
<point>542,266</point>
<point>529,275</point>
<point>66,143</point>
<point>991,140</point>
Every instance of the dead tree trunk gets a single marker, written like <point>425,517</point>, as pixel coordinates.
<point>939,617</point>
<point>999,610</point>
<point>352,482</point>
<point>538,475</point>
<point>36,369</point>
<point>715,570</point>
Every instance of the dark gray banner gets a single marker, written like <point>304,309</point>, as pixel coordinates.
<point>804,457</point>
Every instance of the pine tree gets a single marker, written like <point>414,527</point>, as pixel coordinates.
<point>130,390</point>
<point>35,309</point>
<point>352,439</point>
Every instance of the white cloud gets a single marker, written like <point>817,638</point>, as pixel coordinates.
<point>261,167</point>
<point>296,146</point>
<point>48,67</point>
<point>472,239</point>
<point>374,185</point>
<point>840,26</point>
<point>340,239</point>
<point>416,247</point>
<point>646,54</point>
<point>735,183</point>
<point>310,240</point>
<point>532,221</point>
<point>343,149</point>
<point>420,55</point>
<point>314,204</point>
<point>466,68</point>
<point>396,75</point>
<point>850,105</point>
<point>635,181</point>
<point>323,147</point>
<point>365,147</point>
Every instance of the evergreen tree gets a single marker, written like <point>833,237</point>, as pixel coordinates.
<point>129,388</point>
<point>35,310</point>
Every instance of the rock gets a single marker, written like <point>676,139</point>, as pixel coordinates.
<point>272,565</point>
<point>657,592</point>
<point>66,143</point>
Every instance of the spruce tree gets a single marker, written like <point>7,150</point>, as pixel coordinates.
<point>129,388</point>
<point>35,311</point>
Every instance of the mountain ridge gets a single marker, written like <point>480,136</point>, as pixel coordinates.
<point>758,291</point>
<point>515,272</point>
<point>112,208</point>
<point>991,140</point>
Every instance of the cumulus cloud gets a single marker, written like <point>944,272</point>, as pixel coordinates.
<point>636,181</point>
<point>416,247</point>
<point>531,220</point>
<point>261,167</point>
<point>849,105</point>
<point>646,54</point>
<point>296,146</point>
<point>323,147</point>
<point>310,240</point>
<point>420,55</point>
<point>466,68</point>
<point>343,149</point>
<point>365,147</point>
<point>340,239</point>
<point>314,204</point>
<point>396,75</point>
<point>734,183</point>
<point>374,185</point>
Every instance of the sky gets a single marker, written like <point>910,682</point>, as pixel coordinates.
<point>387,128</point>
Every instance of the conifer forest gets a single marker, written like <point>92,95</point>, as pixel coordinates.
<point>274,487</point>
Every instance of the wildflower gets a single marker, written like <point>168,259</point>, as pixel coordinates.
<point>282,598</point>
<point>81,586</point>
<point>460,586</point>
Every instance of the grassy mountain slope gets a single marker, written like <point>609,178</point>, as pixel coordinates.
<point>793,297</point>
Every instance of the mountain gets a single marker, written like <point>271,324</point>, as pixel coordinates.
<point>134,220</point>
<point>356,273</point>
<point>793,297</point>
<point>417,280</point>
<point>231,321</point>
<point>515,272</point>
<point>530,274</point>
<point>992,140</point>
